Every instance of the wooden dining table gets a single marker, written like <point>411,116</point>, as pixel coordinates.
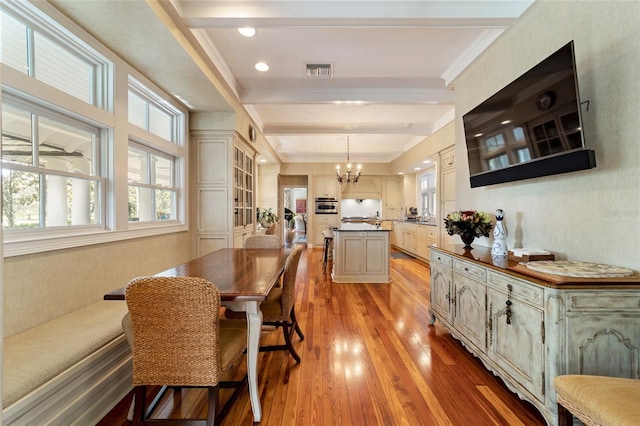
<point>244,278</point>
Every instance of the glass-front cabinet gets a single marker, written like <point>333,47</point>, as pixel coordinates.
<point>244,209</point>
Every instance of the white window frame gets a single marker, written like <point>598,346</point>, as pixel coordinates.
<point>175,148</point>
<point>97,176</point>
<point>428,191</point>
<point>111,117</point>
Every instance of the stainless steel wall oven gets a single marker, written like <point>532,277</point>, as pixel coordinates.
<point>326,205</point>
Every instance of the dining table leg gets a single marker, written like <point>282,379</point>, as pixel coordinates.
<point>254,323</point>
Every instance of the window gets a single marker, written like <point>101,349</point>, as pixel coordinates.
<point>40,51</point>
<point>155,156</point>
<point>50,169</point>
<point>146,110</point>
<point>152,190</point>
<point>61,149</point>
<point>428,193</point>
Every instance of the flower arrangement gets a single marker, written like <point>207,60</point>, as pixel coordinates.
<point>467,222</point>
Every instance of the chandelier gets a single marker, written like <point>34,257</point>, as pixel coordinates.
<point>349,176</point>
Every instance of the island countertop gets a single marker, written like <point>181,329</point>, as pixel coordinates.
<point>358,227</point>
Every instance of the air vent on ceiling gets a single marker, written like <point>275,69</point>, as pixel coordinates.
<point>319,70</point>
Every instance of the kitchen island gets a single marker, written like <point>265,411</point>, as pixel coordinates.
<point>360,254</point>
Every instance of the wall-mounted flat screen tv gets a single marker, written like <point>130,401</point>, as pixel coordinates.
<point>530,128</point>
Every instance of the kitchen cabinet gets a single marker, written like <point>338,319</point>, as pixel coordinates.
<point>361,256</point>
<point>322,221</point>
<point>528,329</point>
<point>446,187</point>
<point>448,158</point>
<point>327,187</point>
<point>409,238</point>
<point>225,180</point>
<point>392,198</point>
<point>414,238</point>
<point>426,236</point>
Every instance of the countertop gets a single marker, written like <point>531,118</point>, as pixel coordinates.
<point>417,222</point>
<point>482,255</point>
<point>359,226</point>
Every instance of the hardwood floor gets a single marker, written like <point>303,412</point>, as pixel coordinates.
<point>369,358</point>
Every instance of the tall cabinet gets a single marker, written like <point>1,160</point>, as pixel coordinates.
<point>224,184</point>
<point>446,185</point>
<point>392,198</point>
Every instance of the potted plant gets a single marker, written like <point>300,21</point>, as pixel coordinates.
<point>266,217</point>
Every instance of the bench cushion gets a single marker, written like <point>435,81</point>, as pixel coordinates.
<point>35,356</point>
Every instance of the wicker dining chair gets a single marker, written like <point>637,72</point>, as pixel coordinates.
<point>279,308</point>
<point>262,242</point>
<point>179,341</point>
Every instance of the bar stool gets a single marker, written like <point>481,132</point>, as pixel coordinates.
<point>328,239</point>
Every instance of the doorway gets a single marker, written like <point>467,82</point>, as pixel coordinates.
<point>294,208</point>
<point>295,214</point>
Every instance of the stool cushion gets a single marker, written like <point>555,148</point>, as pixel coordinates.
<point>600,400</point>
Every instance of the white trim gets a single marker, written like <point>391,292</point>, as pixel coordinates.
<point>146,229</point>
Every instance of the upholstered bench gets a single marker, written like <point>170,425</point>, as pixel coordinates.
<point>598,400</point>
<point>62,362</point>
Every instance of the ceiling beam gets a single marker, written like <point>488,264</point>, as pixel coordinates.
<point>389,13</point>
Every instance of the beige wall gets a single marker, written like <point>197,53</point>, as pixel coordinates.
<point>591,215</point>
<point>428,148</point>
<point>42,286</point>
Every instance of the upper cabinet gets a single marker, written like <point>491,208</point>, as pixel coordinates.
<point>327,187</point>
<point>392,197</point>
<point>448,158</point>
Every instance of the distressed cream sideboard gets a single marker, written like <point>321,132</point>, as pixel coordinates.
<point>528,327</point>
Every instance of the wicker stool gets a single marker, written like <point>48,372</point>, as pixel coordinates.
<point>598,400</point>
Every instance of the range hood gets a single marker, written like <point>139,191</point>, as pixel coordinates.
<point>364,189</point>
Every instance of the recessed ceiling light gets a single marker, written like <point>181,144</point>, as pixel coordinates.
<point>506,122</point>
<point>417,168</point>
<point>262,160</point>
<point>400,173</point>
<point>426,162</point>
<point>247,31</point>
<point>261,66</point>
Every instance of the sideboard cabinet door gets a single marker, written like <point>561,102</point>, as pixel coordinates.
<point>440,287</point>
<point>516,345</point>
<point>603,333</point>
<point>469,318</point>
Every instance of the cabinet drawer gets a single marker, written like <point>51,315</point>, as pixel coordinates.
<point>432,234</point>
<point>476,272</point>
<point>600,301</point>
<point>326,219</point>
<point>519,289</point>
<point>443,259</point>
